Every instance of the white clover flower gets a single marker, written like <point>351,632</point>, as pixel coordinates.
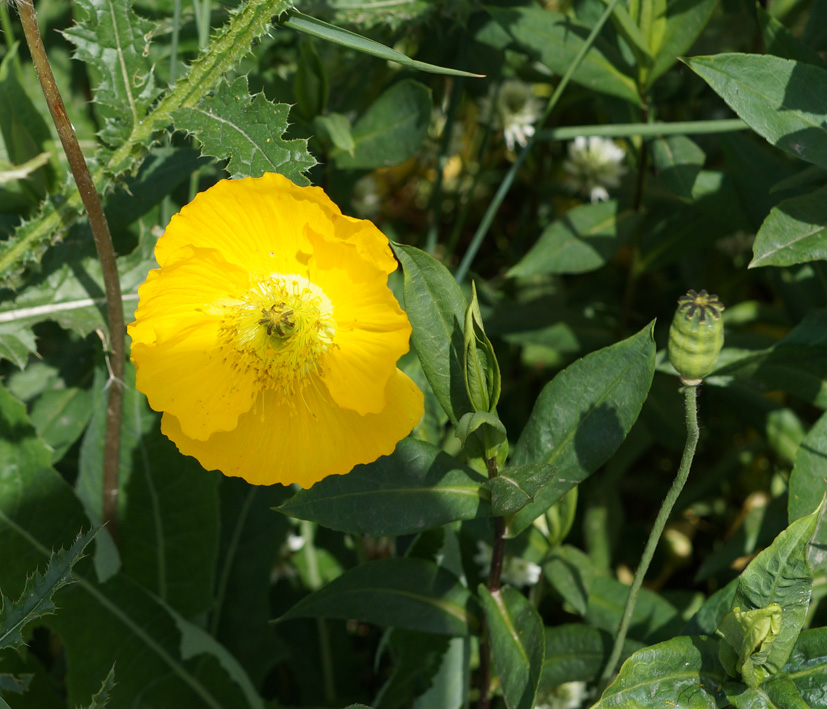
<point>515,112</point>
<point>516,571</point>
<point>594,165</point>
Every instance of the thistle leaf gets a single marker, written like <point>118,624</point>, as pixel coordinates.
<point>114,40</point>
<point>231,124</point>
<point>36,599</point>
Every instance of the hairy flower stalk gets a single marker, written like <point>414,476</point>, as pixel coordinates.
<point>695,339</point>
<point>106,256</point>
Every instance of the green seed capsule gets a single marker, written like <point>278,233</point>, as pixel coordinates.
<point>696,336</point>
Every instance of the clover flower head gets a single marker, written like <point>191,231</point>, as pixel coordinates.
<point>569,695</point>
<point>269,338</point>
<point>594,165</point>
<point>515,112</point>
<point>516,570</point>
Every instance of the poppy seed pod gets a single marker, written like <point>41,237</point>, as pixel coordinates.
<point>696,336</point>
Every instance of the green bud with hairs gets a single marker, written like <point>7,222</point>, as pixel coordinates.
<point>696,336</point>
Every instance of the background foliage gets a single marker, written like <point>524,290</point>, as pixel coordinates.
<point>375,577</point>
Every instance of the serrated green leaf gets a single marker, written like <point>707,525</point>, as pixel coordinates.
<point>417,487</point>
<point>36,600</point>
<point>783,101</point>
<point>582,416</point>
<point>436,308</point>
<point>582,240</point>
<point>794,232</point>
<point>114,40</point>
<point>247,131</point>
<point>13,685</point>
<point>555,39</point>
<point>391,129</point>
<point>515,633</point>
<point>400,593</point>
<point>682,672</point>
<point>100,700</point>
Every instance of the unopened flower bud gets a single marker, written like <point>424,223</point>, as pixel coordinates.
<point>696,336</point>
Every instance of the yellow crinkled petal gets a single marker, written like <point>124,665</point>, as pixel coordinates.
<point>372,332</point>
<point>256,223</point>
<point>175,345</point>
<point>273,444</point>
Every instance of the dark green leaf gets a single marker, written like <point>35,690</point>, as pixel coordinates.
<point>794,232</point>
<point>783,101</point>
<point>570,573</point>
<point>781,574</point>
<point>781,42</point>
<point>654,617</point>
<point>336,128</point>
<point>115,41</point>
<point>316,28</point>
<point>555,39</point>
<point>400,593</point>
<point>36,599</point>
<point>515,487</point>
<point>310,84</point>
<point>808,480</point>
<point>779,692</point>
<point>679,161</point>
<point>392,128</point>
<point>710,614</point>
<point>578,653</point>
<point>168,503</point>
<point>415,488</point>
<point>682,672</point>
<point>246,130</point>
<point>807,665</point>
<point>100,700</point>
<point>583,415</point>
<point>515,632</point>
<point>60,415</point>
<point>436,308</point>
<point>684,21</point>
<point>584,239</point>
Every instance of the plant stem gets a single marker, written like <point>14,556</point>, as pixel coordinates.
<point>690,399</point>
<point>497,558</point>
<point>106,256</point>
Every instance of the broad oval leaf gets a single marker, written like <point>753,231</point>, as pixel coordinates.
<point>515,487</point>
<point>555,40</point>
<point>415,488</point>
<point>515,632</point>
<point>436,308</point>
<point>794,232</point>
<point>778,692</point>
<point>392,128</point>
<point>583,415</point>
<point>681,672</point>
<point>782,100</point>
<point>402,593</point>
<point>582,240</point>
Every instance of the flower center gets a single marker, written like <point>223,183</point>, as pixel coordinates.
<point>280,328</point>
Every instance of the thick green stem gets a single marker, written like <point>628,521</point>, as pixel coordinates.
<point>690,394</point>
<point>106,256</point>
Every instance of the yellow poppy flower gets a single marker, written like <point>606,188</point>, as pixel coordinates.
<point>269,337</point>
